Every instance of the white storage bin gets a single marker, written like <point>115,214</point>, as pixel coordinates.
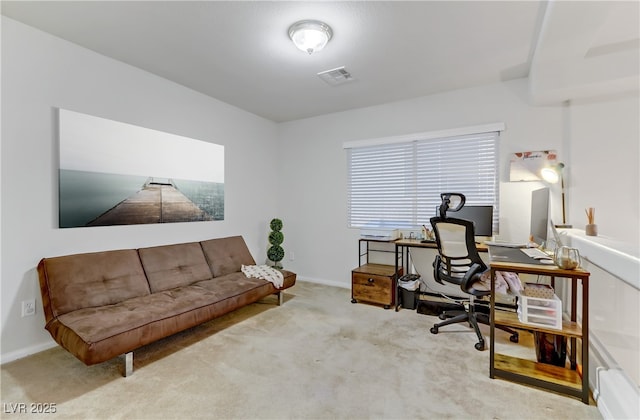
<point>541,312</point>
<point>383,234</point>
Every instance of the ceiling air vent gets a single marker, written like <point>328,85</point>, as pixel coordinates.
<point>336,76</point>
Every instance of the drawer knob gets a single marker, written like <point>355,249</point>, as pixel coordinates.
<point>370,280</point>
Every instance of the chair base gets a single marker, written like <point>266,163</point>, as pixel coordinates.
<point>473,318</point>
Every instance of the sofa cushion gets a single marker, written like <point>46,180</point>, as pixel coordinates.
<point>89,280</point>
<point>95,324</point>
<point>226,255</point>
<point>171,266</point>
<point>98,334</point>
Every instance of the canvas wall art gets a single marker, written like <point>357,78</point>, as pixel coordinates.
<point>526,166</point>
<point>113,173</point>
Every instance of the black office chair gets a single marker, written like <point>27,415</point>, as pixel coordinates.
<point>459,263</point>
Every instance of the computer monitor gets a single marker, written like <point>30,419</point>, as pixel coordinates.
<point>481,216</point>
<point>539,215</point>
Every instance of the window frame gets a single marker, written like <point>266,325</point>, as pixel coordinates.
<point>407,184</point>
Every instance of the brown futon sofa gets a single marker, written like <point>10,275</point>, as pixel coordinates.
<point>105,304</point>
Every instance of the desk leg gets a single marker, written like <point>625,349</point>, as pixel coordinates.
<point>492,307</point>
<point>400,251</point>
<point>574,318</point>
<point>407,263</point>
<point>585,340</point>
<point>395,275</point>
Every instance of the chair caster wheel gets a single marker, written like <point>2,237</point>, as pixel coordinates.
<point>442,316</point>
<point>514,338</point>
<point>434,330</point>
<point>479,345</point>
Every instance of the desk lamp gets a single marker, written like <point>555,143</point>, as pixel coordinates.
<point>552,174</point>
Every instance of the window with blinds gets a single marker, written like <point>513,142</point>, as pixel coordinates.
<point>399,184</point>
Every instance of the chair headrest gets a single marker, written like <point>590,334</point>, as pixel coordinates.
<point>451,202</point>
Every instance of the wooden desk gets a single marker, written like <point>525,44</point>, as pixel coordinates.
<point>416,243</point>
<point>402,244</point>
<point>559,379</point>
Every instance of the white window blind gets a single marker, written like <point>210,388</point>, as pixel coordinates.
<point>399,184</point>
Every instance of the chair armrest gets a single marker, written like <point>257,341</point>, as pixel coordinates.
<point>471,276</point>
<point>436,269</point>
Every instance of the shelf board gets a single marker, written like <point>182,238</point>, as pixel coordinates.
<point>510,319</point>
<point>538,371</point>
<point>539,269</point>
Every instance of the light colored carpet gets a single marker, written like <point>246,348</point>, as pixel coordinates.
<point>316,357</point>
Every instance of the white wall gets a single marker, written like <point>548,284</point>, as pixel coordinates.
<point>41,73</point>
<point>604,170</point>
<point>314,173</point>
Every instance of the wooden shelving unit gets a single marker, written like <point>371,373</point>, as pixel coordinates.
<point>573,381</point>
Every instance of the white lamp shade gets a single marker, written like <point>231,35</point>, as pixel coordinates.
<point>310,35</point>
<point>550,175</point>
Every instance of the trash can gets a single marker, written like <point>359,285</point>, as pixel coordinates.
<point>551,348</point>
<point>409,286</point>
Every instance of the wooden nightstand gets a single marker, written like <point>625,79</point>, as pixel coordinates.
<point>375,280</point>
<point>374,283</point>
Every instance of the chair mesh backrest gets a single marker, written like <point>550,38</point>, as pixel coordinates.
<point>452,240</point>
<point>456,245</point>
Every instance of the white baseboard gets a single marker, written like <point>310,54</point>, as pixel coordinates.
<point>28,351</point>
<point>617,397</point>
<point>326,282</point>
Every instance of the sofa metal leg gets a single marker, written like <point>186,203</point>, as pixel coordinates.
<point>128,364</point>
<point>280,297</point>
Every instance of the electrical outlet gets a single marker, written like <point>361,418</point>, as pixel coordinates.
<point>28,307</point>
<point>292,256</point>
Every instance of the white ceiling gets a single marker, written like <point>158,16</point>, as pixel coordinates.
<point>239,52</point>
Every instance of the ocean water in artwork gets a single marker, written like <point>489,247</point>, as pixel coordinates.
<point>86,197</point>
<point>209,196</point>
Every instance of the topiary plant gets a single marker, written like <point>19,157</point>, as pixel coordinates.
<point>276,225</point>
<point>276,253</point>
<point>276,237</point>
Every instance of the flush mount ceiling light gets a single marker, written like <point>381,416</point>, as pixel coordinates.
<point>310,35</point>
